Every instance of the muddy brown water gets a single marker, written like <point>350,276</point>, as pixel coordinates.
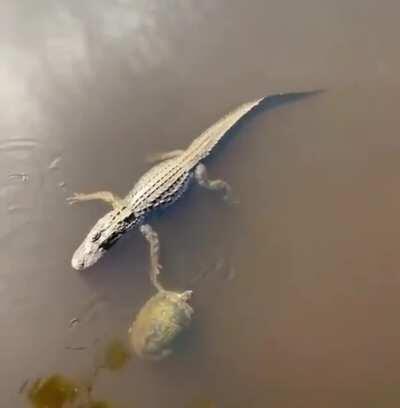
<point>297,289</point>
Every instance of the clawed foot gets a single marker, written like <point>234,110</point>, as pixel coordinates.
<point>75,198</point>
<point>231,201</point>
<point>105,196</point>
<point>201,177</point>
<point>229,198</point>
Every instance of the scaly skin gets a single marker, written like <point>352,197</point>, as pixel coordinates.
<point>160,187</point>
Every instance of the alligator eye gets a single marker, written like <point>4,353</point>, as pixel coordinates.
<point>96,237</point>
<point>109,242</point>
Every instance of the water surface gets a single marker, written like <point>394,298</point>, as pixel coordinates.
<point>296,290</point>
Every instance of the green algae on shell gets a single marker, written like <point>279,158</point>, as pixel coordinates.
<point>159,322</point>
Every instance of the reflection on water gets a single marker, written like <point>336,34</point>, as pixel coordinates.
<point>23,184</point>
<point>20,186</point>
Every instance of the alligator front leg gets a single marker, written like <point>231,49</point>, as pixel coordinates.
<point>152,238</point>
<point>157,157</point>
<point>200,174</point>
<point>105,196</point>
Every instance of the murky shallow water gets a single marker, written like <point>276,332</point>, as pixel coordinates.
<point>296,290</point>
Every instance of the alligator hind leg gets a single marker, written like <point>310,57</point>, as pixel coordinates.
<point>105,196</point>
<point>157,157</point>
<point>152,238</point>
<point>200,174</point>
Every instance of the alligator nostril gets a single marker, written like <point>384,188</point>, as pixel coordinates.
<point>77,264</point>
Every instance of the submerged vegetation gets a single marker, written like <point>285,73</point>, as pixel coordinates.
<point>58,391</point>
<point>53,392</point>
<point>116,355</point>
